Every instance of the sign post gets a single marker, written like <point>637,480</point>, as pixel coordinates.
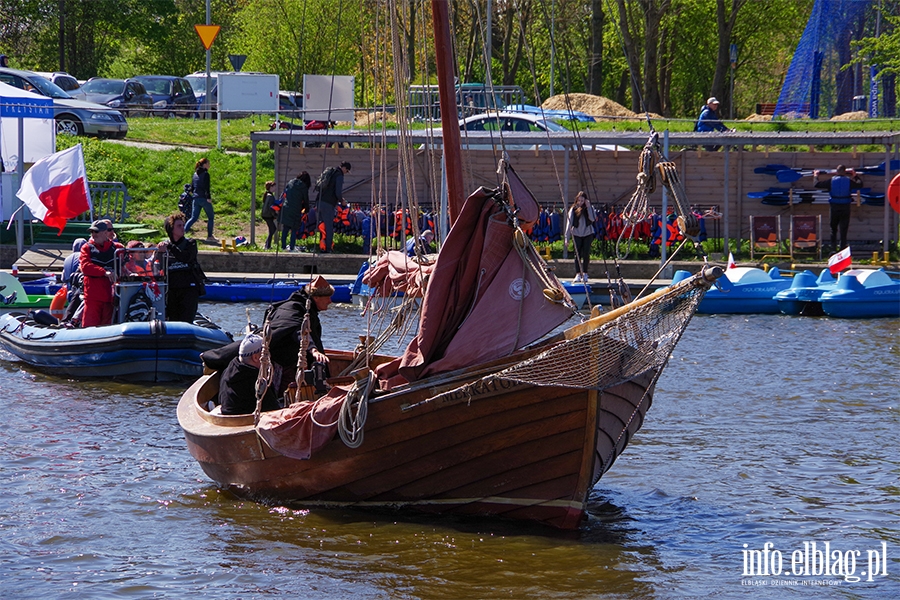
<point>207,35</point>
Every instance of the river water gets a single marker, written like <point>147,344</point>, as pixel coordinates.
<point>767,434</point>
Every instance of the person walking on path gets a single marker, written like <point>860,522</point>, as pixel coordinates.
<point>331,191</point>
<point>709,121</point>
<point>580,227</point>
<point>840,188</point>
<point>202,200</point>
<point>270,212</point>
<point>296,203</point>
<point>97,261</point>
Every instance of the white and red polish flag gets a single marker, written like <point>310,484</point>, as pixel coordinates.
<point>731,263</point>
<point>840,261</point>
<point>55,188</point>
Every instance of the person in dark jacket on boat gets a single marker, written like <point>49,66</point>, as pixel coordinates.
<point>237,386</point>
<point>185,277</point>
<point>296,203</point>
<point>840,188</point>
<point>331,192</point>
<point>97,262</point>
<point>285,324</point>
<point>202,199</point>
<point>71,263</point>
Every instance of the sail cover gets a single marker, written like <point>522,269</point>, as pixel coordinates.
<point>483,300</point>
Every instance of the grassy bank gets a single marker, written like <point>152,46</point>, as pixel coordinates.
<point>155,179</point>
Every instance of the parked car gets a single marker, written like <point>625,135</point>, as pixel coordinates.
<point>126,95</point>
<point>66,82</point>
<point>510,123</point>
<point>74,117</point>
<point>198,83</point>
<point>172,96</point>
<point>290,104</point>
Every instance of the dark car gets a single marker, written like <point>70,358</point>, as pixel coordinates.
<point>74,117</point>
<point>172,96</point>
<point>126,95</point>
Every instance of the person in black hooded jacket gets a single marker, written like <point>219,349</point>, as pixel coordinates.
<point>285,323</point>
<point>184,275</point>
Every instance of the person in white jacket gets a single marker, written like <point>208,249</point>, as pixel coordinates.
<point>580,227</point>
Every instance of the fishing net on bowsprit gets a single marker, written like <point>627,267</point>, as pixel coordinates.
<point>620,350</point>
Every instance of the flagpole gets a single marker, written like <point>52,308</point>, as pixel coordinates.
<point>20,169</point>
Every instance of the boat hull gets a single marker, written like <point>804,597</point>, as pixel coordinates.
<point>514,451</point>
<point>143,351</point>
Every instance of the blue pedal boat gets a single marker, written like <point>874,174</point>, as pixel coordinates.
<point>804,295</point>
<point>863,294</point>
<point>743,290</point>
<point>263,291</point>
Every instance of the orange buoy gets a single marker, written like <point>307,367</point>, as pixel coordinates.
<point>58,304</point>
<point>893,193</point>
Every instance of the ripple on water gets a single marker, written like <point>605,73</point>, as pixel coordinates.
<point>754,436</point>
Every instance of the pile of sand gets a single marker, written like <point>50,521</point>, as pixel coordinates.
<point>596,106</point>
<point>366,119</point>
<point>858,115</point>
<point>756,117</point>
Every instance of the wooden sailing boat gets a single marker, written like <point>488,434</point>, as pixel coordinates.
<point>483,414</point>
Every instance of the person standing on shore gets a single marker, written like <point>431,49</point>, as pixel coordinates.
<point>580,228</point>
<point>840,188</point>
<point>331,189</point>
<point>269,212</point>
<point>296,202</point>
<point>202,199</point>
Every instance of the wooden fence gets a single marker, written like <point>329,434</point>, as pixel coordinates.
<point>609,179</point>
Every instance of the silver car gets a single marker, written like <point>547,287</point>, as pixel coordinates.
<point>74,117</point>
<point>65,81</point>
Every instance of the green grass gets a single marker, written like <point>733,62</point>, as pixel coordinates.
<point>197,132</point>
<point>155,179</point>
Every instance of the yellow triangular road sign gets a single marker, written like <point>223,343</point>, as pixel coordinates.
<point>207,34</point>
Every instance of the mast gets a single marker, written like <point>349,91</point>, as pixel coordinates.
<point>447,94</point>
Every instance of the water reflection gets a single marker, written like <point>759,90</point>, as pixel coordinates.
<point>759,432</point>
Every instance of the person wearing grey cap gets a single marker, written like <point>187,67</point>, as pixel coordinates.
<point>97,260</point>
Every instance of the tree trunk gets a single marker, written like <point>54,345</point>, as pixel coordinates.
<point>596,61</point>
<point>632,56</point>
<point>725,22</point>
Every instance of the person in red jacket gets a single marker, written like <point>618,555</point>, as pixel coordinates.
<point>97,265</point>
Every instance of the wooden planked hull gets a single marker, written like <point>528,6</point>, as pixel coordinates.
<point>517,451</point>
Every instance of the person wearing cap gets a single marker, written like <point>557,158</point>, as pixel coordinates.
<point>331,192</point>
<point>237,385</point>
<point>840,187</point>
<point>709,120</point>
<point>185,277</point>
<point>97,262</point>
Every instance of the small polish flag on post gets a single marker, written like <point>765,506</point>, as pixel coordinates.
<point>55,188</point>
<point>731,263</point>
<point>840,261</point>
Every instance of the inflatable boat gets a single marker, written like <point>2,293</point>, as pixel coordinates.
<point>140,345</point>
